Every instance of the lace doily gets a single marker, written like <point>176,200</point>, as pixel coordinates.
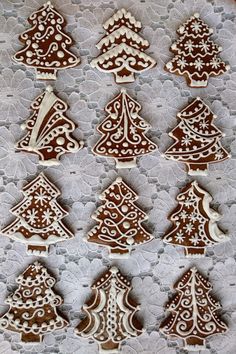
<point>82,176</point>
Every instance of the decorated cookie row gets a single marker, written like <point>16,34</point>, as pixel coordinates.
<point>119,227</point>
<point>123,133</point>
<point>47,48</point>
<point>111,311</point>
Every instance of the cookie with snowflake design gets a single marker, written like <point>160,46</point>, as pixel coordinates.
<point>38,218</point>
<point>194,222</point>
<point>197,139</point>
<point>196,56</point>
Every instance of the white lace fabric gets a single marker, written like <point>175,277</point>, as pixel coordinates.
<point>81,177</point>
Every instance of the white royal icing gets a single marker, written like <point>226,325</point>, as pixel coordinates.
<point>119,220</point>
<point>193,311</point>
<point>110,319</point>
<point>123,132</point>
<point>38,217</point>
<point>35,296</point>
<point>47,28</point>
<point>43,130</point>
<point>194,222</point>
<point>126,58</point>
<point>197,139</point>
<point>195,54</point>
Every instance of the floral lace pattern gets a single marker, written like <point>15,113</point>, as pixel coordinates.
<point>81,177</point>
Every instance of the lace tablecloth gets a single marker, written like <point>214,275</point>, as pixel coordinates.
<point>154,267</point>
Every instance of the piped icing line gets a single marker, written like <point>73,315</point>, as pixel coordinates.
<point>122,13</point>
<point>120,32</point>
<point>114,52</point>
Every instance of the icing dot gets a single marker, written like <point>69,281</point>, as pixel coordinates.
<point>124,208</point>
<point>41,27</point>
<point>60,141</point>
<point>53,22</point>
<point>29,53</point>
<point>126,224</point>
<point>58,37</point>
<point>130,241</point>
<point>60,54</point>
<point>35,45</point>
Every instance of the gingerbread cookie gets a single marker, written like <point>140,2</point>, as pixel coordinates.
<point>194,222</point>
<point>110,313</point>
<point>196,56</point>
<point>48,130</point>
<point>119,221</point>
<point>38,218</point>
<point>46,44</point>
<point>33,306</point>
<point>193,312</point>
<point>123,48</point>
<point>197,139</point>
<point>123,132</point>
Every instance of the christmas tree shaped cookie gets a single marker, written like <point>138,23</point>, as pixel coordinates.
<point>47,46</point>
<point>119,221</point>
<point>110,313</point>
<point>196,56</point>
<point>48,130</point>
<point>38,218</point>
<point>122,48</point>
<point>194,222</point>
<point>33,306</point>
<point>197,139</point>
<point>123,132</point>
<point>193,312</point>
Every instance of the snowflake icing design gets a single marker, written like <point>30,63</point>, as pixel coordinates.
<point>215,62</point>
<point>189,228</point>
<point>182,63</point>
<point>47,216</point>
<point>31,215</point>
<point>189,45</point>
<point>179,236</point>
<point>183,215</point>
<point>219,155</point>
<point>204,46</point>
<point>186,140</point>
<point>198,64</point>
<point>40,197</point>
<point>195,239</point>
<point>196,26</point>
